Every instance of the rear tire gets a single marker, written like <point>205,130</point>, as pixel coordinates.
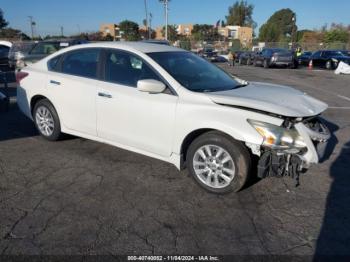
<point>46,120</point>
<point>218,163</point>
<point>249,62</point>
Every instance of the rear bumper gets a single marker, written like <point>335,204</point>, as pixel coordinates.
<point>281,63</point>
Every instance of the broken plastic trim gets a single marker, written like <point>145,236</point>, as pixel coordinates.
<point>275,164</point>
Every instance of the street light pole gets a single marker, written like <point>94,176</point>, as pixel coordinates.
<point>147,26</point>
<point>166,2</point>
<point>31,25</point>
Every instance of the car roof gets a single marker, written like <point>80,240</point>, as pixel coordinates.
<point>6,43</point>
<point>136,46</point>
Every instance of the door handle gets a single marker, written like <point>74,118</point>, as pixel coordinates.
<point>55,82</point>
<point>104,95</point>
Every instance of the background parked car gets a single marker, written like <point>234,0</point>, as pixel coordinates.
<point>269,57</point>
<point>304,58</point>
<point>329,59</point>
<point>246,58</point>
<point>23,53</point>
<point>4,51</point>
<point>209,53</point>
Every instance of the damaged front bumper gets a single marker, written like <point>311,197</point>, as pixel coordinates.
<point>292,162</point>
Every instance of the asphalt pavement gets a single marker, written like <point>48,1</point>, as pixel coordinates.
<point>77,196</point>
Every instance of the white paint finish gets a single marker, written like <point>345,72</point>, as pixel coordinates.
<point>137,119</point>
<point>6,43</point>
<point>271,98</point>
<point>74,99</point>
<point>155,124</point>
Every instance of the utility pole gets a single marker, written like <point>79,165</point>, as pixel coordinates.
<point>166,2</point>
<point>61,31</point>
<point>147,25</point>
<point>32,24</point>
<point>150,26</point>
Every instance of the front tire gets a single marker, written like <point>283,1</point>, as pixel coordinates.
<point>266,63</point>
<point>218,163</point>
<point>329,65</point>
<point>46,120</point>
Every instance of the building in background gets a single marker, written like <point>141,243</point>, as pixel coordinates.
<point>110,29</point>
<point>159,35</point>
<point>243,33</point>
<point>184,29</point>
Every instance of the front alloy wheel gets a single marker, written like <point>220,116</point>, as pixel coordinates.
<point>214,166</point>
<point>218,163</point>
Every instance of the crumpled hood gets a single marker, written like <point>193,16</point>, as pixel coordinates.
<point>277,99</point>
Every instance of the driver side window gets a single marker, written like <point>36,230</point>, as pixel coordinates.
<point>126,69</point>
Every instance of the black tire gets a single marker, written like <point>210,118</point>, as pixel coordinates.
<point>238,153</point>
<point>266,64</point>
<point>329,65</point>
<point>56,133</point>
<point>255,63</point>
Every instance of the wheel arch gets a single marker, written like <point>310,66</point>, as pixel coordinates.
<point>35,99</point>
<point>189,138</point>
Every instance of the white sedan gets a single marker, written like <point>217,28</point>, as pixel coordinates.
<point>170,104</point>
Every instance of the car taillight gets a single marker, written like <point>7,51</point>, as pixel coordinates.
<point>20,75</point>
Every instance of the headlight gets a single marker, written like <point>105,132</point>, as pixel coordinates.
<point>277,137</point>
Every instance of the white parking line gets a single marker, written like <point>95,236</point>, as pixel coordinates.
<point>339,107</point>
<point>344,97</point>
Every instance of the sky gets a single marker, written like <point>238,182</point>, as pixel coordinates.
<point>86,15</point>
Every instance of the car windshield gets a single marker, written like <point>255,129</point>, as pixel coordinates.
<point>335,53</point>
<point>194,72</point>
<point>280,51</point>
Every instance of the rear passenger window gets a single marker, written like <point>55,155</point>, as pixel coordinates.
<point>52,64</point>
<point>82,62</point>
<point>126,69</point>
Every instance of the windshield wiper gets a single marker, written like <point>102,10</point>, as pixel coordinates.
<point>240,85</point>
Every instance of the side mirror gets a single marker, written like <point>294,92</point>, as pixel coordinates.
<point>150,86</point>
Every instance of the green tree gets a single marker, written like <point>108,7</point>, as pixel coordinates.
<point>108,37</point>
<point>280,26</point>
<point>130,30</point>
<point>11,33</point>
<point>172,33</point>
<point>3,22</point>
<point>300,34</point>
<point>336,35</point>
<point>240,13</point>
<point>204,32</point>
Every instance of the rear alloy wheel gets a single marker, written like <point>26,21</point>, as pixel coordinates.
<point>249,61</point>
<point>46,120</point>
<point>329,65</point>
<point>240,61</point>
<point>218,163</point>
